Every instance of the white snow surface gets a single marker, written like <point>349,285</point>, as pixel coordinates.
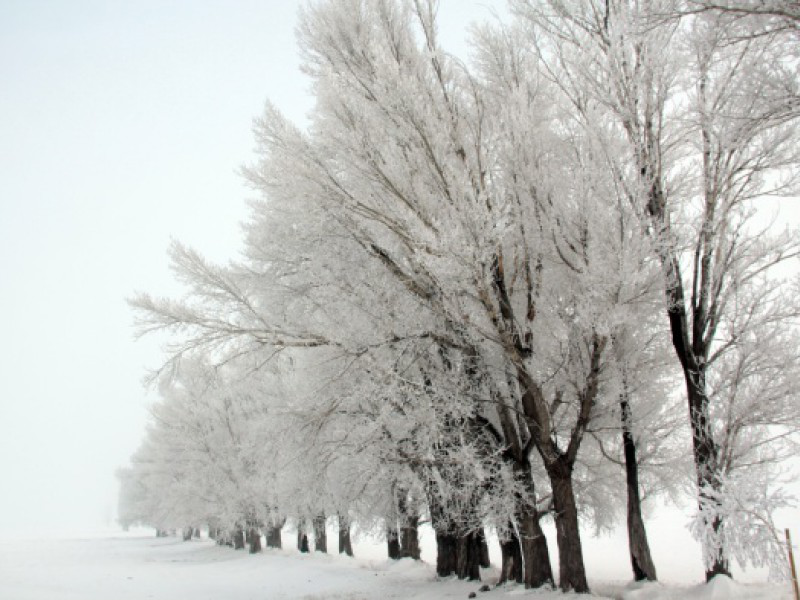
<point>143,568</point>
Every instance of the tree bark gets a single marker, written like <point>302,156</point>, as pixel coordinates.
<point>468,556</point>
<point>273,534</point>
<point>238,539</point>
<point>320,535</point>
<point>511,553</point>
<point>445,554</point>
<point>187,533</point>
<point>392,542</point>
<point>572,573</point>
<point>302,538</point>
<point>484,561</point>
<point>255,540</point>
<point>641,560</point>
<point>345,543</point>
<point>409,538</point>
<point>536,568</point>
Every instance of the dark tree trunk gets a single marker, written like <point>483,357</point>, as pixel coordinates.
<point>196,532</point>
<point>409,528</point>
<point>187,533</point>
<point>536,569</point>
<point>320,535</point>
<point>446,552</point>
<point>238,539</point>
<point>511,553</point>
<point>484,561</point>
<point>273,536</point>
<point>302,538</point>
<point>161,533</point>
<point>691,347</point>
<point>409,538</point>
<point>345,543</point>
<point>254,540</point>
<point>572,573</point>
<point>392,542</point>
<point>641,560</point>
<point>468,556</point>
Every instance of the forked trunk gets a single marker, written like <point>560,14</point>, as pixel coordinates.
<point>320,535</point>
<point>345,544</point>
<point>572,573</point>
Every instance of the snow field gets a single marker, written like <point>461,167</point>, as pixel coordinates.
<point>148,568</point>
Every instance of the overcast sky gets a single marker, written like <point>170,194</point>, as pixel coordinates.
<point>122,125</point>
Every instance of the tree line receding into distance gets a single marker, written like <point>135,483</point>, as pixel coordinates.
<point>533,286</point>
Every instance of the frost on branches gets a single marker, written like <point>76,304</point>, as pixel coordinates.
<point>483,294</point>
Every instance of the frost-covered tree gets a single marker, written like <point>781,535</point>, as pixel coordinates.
<point>700,129</point>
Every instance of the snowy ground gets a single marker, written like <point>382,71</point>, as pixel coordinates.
<point>142,568</point>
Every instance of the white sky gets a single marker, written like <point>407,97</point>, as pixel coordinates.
<point>122,125</point>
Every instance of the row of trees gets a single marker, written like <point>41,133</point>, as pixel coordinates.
<point>485,295</point>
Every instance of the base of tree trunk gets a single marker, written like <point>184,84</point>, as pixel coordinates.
<point>446,552</point>
<point>409,539</point>
<point>320,535</point>
<point>511,558</point>
<point>254,541</point>
<point>393,543</point>
<point>469,553</point>
<point>273,537</point>
<point>572,572</point>
<point>238,539</point>
<point>345,543</point>
<point>536,569</point>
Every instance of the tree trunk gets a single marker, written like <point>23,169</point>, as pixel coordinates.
<point>409,528</point>
<point>641,560</point>
<point>196,533</point>
<point>484,561</point>
<point>255,540</point>
<point>302,538</point>
<point>572,573</point>
<point>392,542</point>
<point>536,568</point>
<point>468,556</point>
<point>409,538</point>
<point>274,535</point>
<point>187,533</point>
<point>345,543</point>
<point>445,554</point>
<point>706,457</point>
<point>238,539</point>
<point>320,535</point>
<point>511,567</point>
